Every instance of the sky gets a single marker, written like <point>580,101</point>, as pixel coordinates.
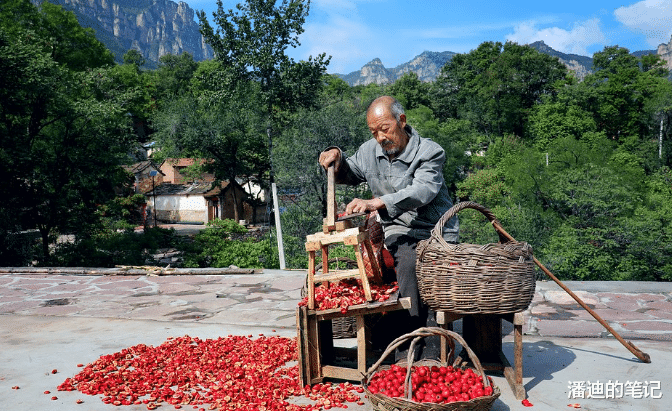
<point>354,32</point>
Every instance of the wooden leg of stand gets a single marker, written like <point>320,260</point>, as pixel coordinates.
<point>314,350</point>
<point>311,280</point>
<point>325,259</point>
<point>518,354</point>
<point>362,344</point>
<point>303,346</point>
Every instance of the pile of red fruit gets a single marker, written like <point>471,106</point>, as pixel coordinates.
<point>430,384</point>
<point>346,293</point>
<point>233,373</point>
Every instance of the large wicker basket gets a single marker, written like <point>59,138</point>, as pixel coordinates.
<point>382,402</point>
<point>474,279</point>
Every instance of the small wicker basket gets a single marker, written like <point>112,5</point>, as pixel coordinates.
<point>474,279</point>
<point>382,402</point>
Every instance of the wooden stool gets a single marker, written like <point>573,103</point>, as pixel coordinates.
<point>316,344</point>
<point>483,334</point>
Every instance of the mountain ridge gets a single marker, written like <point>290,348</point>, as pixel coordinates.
<point>159,27</point>
<point>152,27</point>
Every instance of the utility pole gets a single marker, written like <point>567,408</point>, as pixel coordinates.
<point>660,139</point>
<point>153,173</point>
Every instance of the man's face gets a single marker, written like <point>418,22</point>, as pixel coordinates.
<point>387,131</point>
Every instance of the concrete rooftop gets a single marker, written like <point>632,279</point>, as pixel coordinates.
<point>55,321</point>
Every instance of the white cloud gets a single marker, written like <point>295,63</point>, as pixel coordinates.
<point>339,30</point>
<point>346,40</point>
<point>653,18</point>
<point>575,41</point>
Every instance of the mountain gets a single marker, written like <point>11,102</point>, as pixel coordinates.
<point>665,51</point>
<point>159,27</point>
<point>153,27</point>
<point>427,66</point>
<point>580,65</point>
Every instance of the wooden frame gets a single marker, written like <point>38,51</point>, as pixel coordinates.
<point>316,345</point>
<point>488,343</point>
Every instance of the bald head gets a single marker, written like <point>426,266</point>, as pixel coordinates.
<point>386,104</point>
<point>387,122</point>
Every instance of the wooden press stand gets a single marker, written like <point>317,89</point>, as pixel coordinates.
<point>314,327</point>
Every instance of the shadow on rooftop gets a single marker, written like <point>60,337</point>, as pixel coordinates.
<point>541,360</point>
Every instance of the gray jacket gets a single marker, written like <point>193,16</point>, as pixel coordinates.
<point>411,185</point>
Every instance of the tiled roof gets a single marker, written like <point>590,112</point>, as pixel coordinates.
<point>183,162</point>
<point>181,189</point>
<point>139,167</point>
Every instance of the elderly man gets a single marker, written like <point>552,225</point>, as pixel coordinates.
<point>405,174</point>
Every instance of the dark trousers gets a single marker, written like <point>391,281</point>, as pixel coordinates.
<point>398,323</point>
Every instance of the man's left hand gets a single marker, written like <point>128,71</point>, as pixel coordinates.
<point>361,206</point>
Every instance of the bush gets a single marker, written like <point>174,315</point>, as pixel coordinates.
<point>110,248</point>
<point>221,245</point>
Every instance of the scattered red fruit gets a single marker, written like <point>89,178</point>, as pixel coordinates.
<point>47,392</point>
<point>79,401</point>
<point>574,405</point>
<point>54,371</point>
<point>527,403</point>
<point>80,365</point>
<point>54,398</point>
<point>16,387</point>
<point>229,373</point>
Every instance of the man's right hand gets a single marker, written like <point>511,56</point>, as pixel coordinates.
<point>330,156</point>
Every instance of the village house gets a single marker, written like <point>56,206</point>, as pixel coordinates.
<point>176,197</point>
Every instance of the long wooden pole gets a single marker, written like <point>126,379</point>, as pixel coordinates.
<point>644,357</point>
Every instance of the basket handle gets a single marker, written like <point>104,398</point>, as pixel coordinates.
<point>437,231</point>
<point>418,334</point>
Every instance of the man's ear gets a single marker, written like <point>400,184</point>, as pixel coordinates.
<point>402,120</point>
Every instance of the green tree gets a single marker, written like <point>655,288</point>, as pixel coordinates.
<point>410,91</point>
<point>618,95</point>
<point>70,43</point>
<point>253,40</point>
<point>63,135</point>
<point>335,89</point>
<point>142,85</point>
<point>495,85</point>
<point>175,74</point>
<point>134,57</point>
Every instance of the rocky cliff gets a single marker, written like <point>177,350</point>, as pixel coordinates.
<point>665,52</point>
<point>153,27</point>
<point>581,66</point>
<point>427,66</point>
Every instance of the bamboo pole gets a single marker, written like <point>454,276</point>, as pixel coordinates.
<point>644,357</point>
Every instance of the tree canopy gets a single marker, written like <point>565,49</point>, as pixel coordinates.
<point>580,169</point>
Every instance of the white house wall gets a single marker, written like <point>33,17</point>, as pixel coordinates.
<point>181,208</point>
